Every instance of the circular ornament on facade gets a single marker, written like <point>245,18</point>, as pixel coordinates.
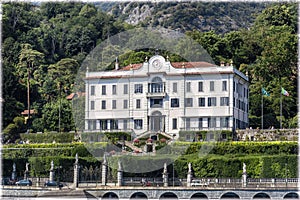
<point>157,64</point>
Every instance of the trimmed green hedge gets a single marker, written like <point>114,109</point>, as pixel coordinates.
<point>214,166</point>
<point>48,137</point>
<point>40,166</point>
<point>223,148</point>
<point>39,150</point>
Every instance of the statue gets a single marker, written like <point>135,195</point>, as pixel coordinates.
<point>52,165</point>
<point>165,167</point>
<point>190,167</point>
<point>119,166</point>
<point>14,167</point>
<point>27,166</point>
<point>244,168</point>
<point>76,158</point>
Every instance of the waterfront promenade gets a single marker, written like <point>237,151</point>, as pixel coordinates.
<point>216,189</point>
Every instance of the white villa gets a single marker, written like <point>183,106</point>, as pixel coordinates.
<point>163,96</point>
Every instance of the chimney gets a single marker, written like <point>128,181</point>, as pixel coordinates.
<point>117,64</point>
<point>222,63</point>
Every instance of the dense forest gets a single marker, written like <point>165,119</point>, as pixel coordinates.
<point>48,42</point>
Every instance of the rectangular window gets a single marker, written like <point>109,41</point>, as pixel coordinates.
<point>233,101</point>
<point>138,103</point>
<point>113,124</point>
<point>103,124</point>
<point>125,124</point>
<point>200,87</point>
<point>138,124</point>
<point>175,87</point>
<point>224,101</point>
<point>175,103</point>
<point>212,122</point>
<point>92,105</point>
<point>126,89</point>
<point>114,89</point>
<point>125,104</point>
<point>138,88</point>
<point>188,123</point>
<point>225,122</point>
<point>156,103</point>
<point>114,104</point>
<point>188,87</point>
<point>224,86</point>
<point>233,86</point>
<point>92,124</point>
<point>92,90</point>
<point>103,105</point>
<point>200,123</point>
<point>201,102</point>
<point>212,86</point>
<point>103,89</point>
<point>174,120</point>
<point>189,102</point>
<point>212,101</point>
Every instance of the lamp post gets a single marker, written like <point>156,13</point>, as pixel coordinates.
<point>285,174</point>
<point>173,176</point>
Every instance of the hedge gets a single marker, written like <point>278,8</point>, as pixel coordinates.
<point>213,166</point>
<point>48,137</point>
<point>223,148</point>
<point>39,150</point>
<point>40,166</point>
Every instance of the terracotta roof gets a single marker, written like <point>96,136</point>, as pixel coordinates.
<point>25,112</point>
<point>132,66</point>
<point>191,64</point>
<point>174,64</point>
<point>73,95</point>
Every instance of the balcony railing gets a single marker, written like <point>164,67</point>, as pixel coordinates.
<point>156,90</point>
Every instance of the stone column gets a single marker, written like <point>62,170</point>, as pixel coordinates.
<point>104,171</point>
<point>76,172</point>
<point>51,176</point>
<point>165,175</point>
<point>120,174</point>
<point>189,176</point>
<point>244,176</point>
<point>14,172</point>
<point>26,174</point>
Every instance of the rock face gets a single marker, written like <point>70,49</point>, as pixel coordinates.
<point>220,17</point>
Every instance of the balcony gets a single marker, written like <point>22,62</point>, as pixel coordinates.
<point>156,90</point>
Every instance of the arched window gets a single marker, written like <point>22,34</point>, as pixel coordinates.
<point>156,85</point>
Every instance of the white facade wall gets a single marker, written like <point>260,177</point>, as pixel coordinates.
<point>187,80</point>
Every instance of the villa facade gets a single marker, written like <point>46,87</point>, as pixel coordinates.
<point>163,96</point>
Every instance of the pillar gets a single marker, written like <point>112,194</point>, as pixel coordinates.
<point>244,176</point>
<point>120,174</point>
<point>189,176</point>
<point>104,171</point>
<point>51,176</point>
<point>76,172</point>
<point>165,175</point>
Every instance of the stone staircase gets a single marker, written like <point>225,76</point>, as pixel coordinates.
<point>166,135</point>
<point>134,148</point>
